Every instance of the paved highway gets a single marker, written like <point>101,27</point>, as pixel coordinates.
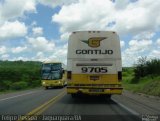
<point>126,107</point>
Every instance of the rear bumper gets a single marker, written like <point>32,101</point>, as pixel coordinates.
<point>92,91</point>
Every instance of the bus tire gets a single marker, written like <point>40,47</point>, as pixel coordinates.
<point>46,87</point>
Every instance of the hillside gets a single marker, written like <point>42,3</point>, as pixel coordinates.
<point>144,77</point>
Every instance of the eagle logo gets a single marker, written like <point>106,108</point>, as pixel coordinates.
<point>94,41</point>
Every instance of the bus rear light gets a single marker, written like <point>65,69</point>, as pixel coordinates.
<point>69,74</point>
<point>120,75</point>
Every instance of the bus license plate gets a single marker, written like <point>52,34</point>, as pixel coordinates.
<point>94,77</point>
<point>96,90</point>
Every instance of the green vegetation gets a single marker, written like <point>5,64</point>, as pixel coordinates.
<point>144,77</point>
<point>18,75</point>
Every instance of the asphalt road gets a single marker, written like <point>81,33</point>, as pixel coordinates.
<point>55,102</point>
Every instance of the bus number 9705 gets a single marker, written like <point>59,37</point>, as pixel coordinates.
<point>94,69</point>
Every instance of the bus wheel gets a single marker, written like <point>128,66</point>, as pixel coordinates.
<point>46,88</point>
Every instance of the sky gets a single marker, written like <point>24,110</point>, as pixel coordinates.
<point>38,30</point>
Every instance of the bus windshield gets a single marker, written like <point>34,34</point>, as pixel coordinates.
<point>52,71</point>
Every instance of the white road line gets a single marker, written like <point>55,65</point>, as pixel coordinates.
<point>17,96</point>
<point>126,108</point>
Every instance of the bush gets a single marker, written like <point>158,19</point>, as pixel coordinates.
<point>146,67</point>
<point>124,74</point>
<point>14,72</point>
<point>36,83</point>
<point>7,84</point>
<point>19,85</point>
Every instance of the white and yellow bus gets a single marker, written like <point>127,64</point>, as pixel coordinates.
<point>94,63</point>
<point>53,74</point>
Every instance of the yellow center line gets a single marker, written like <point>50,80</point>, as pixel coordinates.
<point>39,110</point>
<point>47,106</point>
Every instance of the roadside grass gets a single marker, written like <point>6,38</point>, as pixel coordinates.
<point>151,85</point>
<point>148,85</point>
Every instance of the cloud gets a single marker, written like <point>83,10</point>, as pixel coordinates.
<point>65,36</point>
<point>20,58</point>
<point>56,3</point>
<point>154,54</point>
<point>39,57</point>
<point>145,35</point>
<point>11,9</point>
<point>3,49</point>
<point>40,54</point>
<point>5,57</point>
<point>136,45</point>
<point>41,43</point>
<point>158,41</point>
<point>59,54</point>
<point>37,31</point>
<point>139,16</point>
<point>140,19</point>
<point>86,14</point>
<point>119,4</point>
<point>122,43</point>
<point>61,51</point>
<point>19,49</point>
<point>12,30</point>
<point>136,49</point>
<point>132,18</point>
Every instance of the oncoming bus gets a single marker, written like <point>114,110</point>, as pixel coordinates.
<point>94,63</point>
<point>53,74</point>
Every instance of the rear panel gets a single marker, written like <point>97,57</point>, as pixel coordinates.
<point>94,62</point>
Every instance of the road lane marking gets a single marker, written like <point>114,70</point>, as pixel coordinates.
<point>126,108</point>
<point>43,107</point>
<point>18,95</point>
